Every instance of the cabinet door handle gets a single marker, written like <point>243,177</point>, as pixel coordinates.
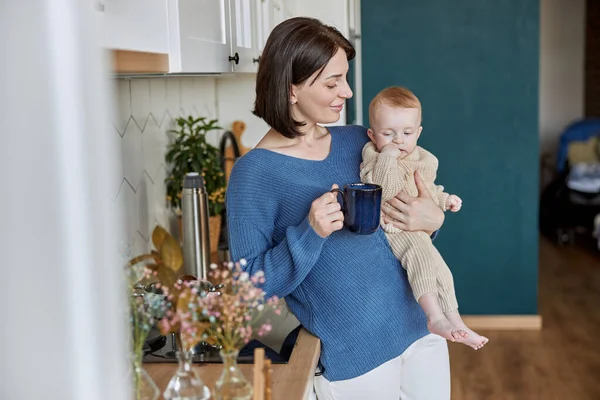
<point>235,58</point>
<point>256,60</point>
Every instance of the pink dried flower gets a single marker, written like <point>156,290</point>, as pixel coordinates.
<point>234,313</point>
<point>264,329</point>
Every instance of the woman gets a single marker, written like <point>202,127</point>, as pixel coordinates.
<point>347,289</point>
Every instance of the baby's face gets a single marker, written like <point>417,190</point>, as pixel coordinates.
<point>400,127</point>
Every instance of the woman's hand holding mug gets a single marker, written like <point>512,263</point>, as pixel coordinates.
<point>325,215</point>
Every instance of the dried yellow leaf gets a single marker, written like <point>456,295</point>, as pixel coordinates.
<point>171,254</point>
<point>158,236</point>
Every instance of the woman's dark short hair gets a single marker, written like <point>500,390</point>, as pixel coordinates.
<point>295,49</point>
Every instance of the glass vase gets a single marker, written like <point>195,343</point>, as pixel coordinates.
<point>144,387</point>
<point>232,385</point>
<point>185,384</point>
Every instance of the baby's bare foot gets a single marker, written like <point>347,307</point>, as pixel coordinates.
<point>472,338</point>
<point>440,325</point>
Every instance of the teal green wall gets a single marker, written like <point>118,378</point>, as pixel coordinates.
<point>474,66</point>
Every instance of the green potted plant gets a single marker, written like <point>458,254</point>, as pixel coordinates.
<point>190,152</point>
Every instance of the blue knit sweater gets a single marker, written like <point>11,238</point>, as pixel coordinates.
<point>348,290</point>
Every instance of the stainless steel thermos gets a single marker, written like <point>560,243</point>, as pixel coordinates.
<point>195,217</point>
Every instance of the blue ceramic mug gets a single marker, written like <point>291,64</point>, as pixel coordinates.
<point>361,205</point>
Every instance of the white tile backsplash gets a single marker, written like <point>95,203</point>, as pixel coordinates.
<point>173,97</point>
<point>157,209</point>
<point>198,97</point>
<point>154,146</point>
<point>144,113</point>
<point>235,101</point>
<point>131,151</point>
<point>140,102</point>
<point>144,195</point>
<point>123,110</point>
<point>126,201</point>
<point>158,99</point>
<point>116,143</point>
<point>139,245</point>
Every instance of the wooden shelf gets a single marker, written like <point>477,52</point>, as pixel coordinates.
<point>138,62</point>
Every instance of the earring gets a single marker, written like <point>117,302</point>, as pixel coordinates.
<point>292,102</point>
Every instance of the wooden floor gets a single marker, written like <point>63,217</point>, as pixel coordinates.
<point>562,361</point>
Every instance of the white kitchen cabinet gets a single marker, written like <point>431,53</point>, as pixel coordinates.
<point>245,26</point>
<point>138,25</point>
<point>330,12</point>
<point>264,23</point>
<point>281,10</point>
<point>199,36</point>
<point>254,27</point>
<point>272,12</point>
<point>269,13</point>
<point>205,36</point>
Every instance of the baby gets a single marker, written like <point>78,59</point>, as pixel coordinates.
<point>390,160</point>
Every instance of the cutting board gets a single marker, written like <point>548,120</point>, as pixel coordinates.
<point>237,128</point>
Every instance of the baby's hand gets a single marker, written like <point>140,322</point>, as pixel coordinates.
<point>391,149</point>
<point>453,203</point>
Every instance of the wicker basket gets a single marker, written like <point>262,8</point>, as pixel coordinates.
<point>214,227</point>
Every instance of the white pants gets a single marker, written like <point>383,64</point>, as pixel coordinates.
<point>422,372</point>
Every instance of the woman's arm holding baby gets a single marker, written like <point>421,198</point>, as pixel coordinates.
<point>413,214</point>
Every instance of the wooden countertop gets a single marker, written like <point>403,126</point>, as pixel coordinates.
<point>291,381</point>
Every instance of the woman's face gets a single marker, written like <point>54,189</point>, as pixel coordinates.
<point>322,102</point>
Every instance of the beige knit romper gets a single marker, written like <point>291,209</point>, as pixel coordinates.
<point>427,271</point>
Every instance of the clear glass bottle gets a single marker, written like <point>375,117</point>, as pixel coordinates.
<point>144,387</point>
<point>185,384</point>
<point>232,384</point>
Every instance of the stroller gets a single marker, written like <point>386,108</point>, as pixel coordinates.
<point>572,200</point>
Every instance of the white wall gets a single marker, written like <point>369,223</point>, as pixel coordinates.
<point>235,101</point>
<point>562,41</point>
